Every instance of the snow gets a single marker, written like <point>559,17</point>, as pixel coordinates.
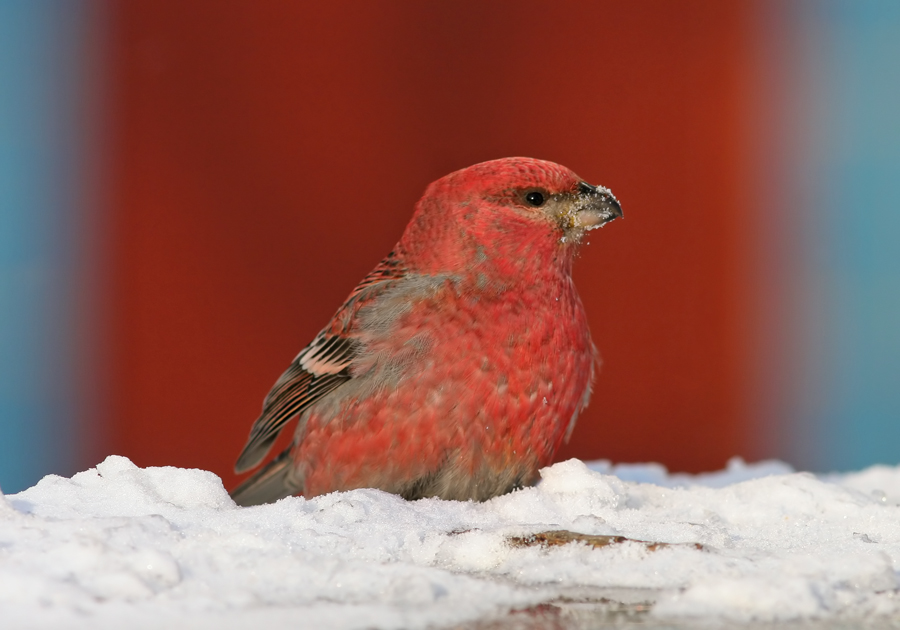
<point>119,546</point>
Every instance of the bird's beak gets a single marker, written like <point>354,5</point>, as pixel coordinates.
<point>596,206</point>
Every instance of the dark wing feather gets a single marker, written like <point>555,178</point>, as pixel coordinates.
<point>268,484</point>
<point>320,368</point>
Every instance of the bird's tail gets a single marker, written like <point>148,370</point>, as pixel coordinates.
<point>269,484</point>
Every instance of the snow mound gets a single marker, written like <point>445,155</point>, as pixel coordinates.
<point>166,547</point>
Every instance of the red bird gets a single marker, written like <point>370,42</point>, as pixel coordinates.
<point>460,364</point>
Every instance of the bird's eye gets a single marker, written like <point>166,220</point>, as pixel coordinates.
<point>535,199</point>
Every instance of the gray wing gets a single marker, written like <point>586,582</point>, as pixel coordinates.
<point>320,368</point>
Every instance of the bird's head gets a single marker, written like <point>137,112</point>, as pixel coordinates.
<point>508,212</point>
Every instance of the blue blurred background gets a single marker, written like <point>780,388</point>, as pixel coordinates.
<point>45,157</point>
<point>833,258</point>
<point>814,134</point>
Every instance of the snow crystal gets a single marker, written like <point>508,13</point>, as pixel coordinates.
<point>120,545</point>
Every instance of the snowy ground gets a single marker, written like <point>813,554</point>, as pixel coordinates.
<point>119,546</point>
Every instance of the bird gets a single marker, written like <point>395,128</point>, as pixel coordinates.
<point>460,364</point>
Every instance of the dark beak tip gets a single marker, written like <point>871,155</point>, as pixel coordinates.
<point>612,207</point>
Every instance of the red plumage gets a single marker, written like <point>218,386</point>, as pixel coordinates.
<point>458,366</point>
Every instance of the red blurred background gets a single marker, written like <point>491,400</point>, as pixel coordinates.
<point>268,154</point>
